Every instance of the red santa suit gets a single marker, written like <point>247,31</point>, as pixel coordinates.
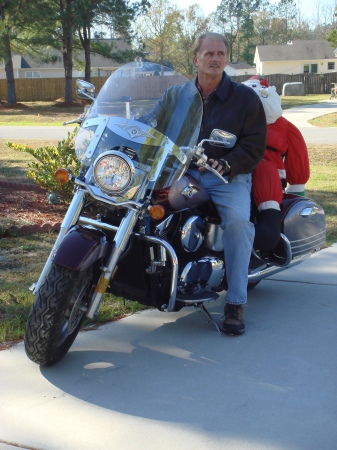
<point>286,151</point>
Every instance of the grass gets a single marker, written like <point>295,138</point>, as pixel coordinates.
<point>21,262</point>
<point>22,258</point>
<point>292,101</point>
<point>328,120</point>
<point>39,114</point>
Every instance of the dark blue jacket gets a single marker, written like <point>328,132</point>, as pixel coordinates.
<point>236,108</point>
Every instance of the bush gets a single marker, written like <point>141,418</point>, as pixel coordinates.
<point>49,159</point>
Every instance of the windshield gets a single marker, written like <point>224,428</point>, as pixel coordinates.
<point>148,112</point>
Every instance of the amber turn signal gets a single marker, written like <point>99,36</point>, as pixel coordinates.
<point>61,176</point>
<point>157,212</point>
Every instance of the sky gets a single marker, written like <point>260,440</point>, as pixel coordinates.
<point>210,6</point>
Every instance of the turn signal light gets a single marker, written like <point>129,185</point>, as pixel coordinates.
<point>61,176</point>
<point>157,212</point>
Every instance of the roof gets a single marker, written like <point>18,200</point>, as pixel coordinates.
<point>28,62</point>
<point>298,50</point>
<point>240,65</point>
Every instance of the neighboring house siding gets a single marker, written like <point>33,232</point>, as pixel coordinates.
<point>300,57</point>
<point>237,69</point>
<point>100,66</point>
<point>293,67</point>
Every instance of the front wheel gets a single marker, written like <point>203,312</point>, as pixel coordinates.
<point>57,314</point>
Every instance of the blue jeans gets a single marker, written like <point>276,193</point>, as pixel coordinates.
<point>232,202</point>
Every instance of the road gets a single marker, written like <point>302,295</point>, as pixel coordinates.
<point>299,116</point>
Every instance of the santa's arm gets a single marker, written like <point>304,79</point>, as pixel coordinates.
<point>266,186</point>
<point>296,161</point>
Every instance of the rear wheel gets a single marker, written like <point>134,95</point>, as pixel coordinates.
<point>57,314</point>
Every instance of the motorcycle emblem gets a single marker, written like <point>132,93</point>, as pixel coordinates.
<point>135,132</point>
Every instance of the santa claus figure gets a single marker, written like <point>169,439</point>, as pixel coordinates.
<point>286,158</point>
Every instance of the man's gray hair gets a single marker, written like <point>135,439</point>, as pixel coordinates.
<point>211,35</point>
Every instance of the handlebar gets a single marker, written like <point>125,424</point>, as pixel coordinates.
<point>78,120</point>
<point>201,161</point>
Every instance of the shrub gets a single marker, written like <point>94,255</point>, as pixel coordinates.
<point>49,159</point>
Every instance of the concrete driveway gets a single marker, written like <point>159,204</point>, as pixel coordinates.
<point>300,115</point>
<point>170,381</point>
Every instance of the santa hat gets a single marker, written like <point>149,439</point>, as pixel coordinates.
<point>262,81</point>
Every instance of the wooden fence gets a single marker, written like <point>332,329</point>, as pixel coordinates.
<point>313,83</point>
<point>50,89</point>
<point>43,89</point>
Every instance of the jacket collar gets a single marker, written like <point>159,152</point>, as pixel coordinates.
<point>222,91</point>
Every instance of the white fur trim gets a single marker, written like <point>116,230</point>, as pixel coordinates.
<point>270,204</point>
<point>295,188</point>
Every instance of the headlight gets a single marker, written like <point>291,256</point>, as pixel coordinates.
<point>113,173</point>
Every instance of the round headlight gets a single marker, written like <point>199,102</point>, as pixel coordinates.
<point>112,173</point>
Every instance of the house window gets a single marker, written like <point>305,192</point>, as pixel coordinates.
<point>331,65</point>
<point>33,74</point>
<point>310,68</point>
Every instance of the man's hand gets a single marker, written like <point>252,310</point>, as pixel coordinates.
<point>218,166</point>
<point>215,164</point>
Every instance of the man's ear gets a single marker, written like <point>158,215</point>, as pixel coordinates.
<point>195,61</point>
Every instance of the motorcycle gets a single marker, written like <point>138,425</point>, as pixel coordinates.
<point>157,239</point>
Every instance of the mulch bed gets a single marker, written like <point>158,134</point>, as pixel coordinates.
<point>24,210</point>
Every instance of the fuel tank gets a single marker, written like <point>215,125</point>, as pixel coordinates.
<point>183,194</point>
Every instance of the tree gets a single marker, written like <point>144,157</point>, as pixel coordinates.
<point>230,16</point>
<point>333,35</point>
<point>159,29</point>
<point>193,24</point>
<point>114,15</point>
<point>6,50</point>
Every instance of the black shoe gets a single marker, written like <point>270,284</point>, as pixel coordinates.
<point>233,323</point>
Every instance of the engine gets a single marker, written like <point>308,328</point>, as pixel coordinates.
<point>200,240</point>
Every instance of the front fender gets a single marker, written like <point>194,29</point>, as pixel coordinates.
<point>81,248</point>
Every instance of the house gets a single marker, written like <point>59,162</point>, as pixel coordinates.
<point>295,57</point>
<point>28,67</point>
<point>239,68</point>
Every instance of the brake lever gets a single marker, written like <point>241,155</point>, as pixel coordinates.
<point>202,163</point>
<point>208,167</point>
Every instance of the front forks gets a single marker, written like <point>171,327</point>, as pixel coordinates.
<point>119,244</point>
<point>69,220</point>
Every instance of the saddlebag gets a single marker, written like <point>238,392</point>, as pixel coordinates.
<point>303,223</point>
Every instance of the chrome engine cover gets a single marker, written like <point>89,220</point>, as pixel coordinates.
<point>192,234</point>
<point>213,237</point>
<point>201,275</point>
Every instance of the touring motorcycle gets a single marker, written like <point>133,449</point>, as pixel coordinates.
<point>157,238</point>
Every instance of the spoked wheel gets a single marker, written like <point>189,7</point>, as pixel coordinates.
<point>57,314</point>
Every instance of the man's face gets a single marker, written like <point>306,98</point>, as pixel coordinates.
<point>211,59</point>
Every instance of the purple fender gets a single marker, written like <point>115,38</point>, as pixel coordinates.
<point>81,248</point>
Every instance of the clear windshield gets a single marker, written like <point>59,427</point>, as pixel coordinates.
<point>142,109</point>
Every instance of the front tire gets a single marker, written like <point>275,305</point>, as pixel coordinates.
<point>57,314</point>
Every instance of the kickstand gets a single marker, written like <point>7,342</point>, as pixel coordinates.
<point>207,317</point>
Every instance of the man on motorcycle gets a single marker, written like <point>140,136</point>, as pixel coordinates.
<point>232,107</point>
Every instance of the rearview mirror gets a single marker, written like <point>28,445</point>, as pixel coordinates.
<point>85,90</point>
<point>223,137</point>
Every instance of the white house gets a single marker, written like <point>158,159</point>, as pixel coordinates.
<point>27,67</point>
<point>296,57</point>
<point>239,68</point>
